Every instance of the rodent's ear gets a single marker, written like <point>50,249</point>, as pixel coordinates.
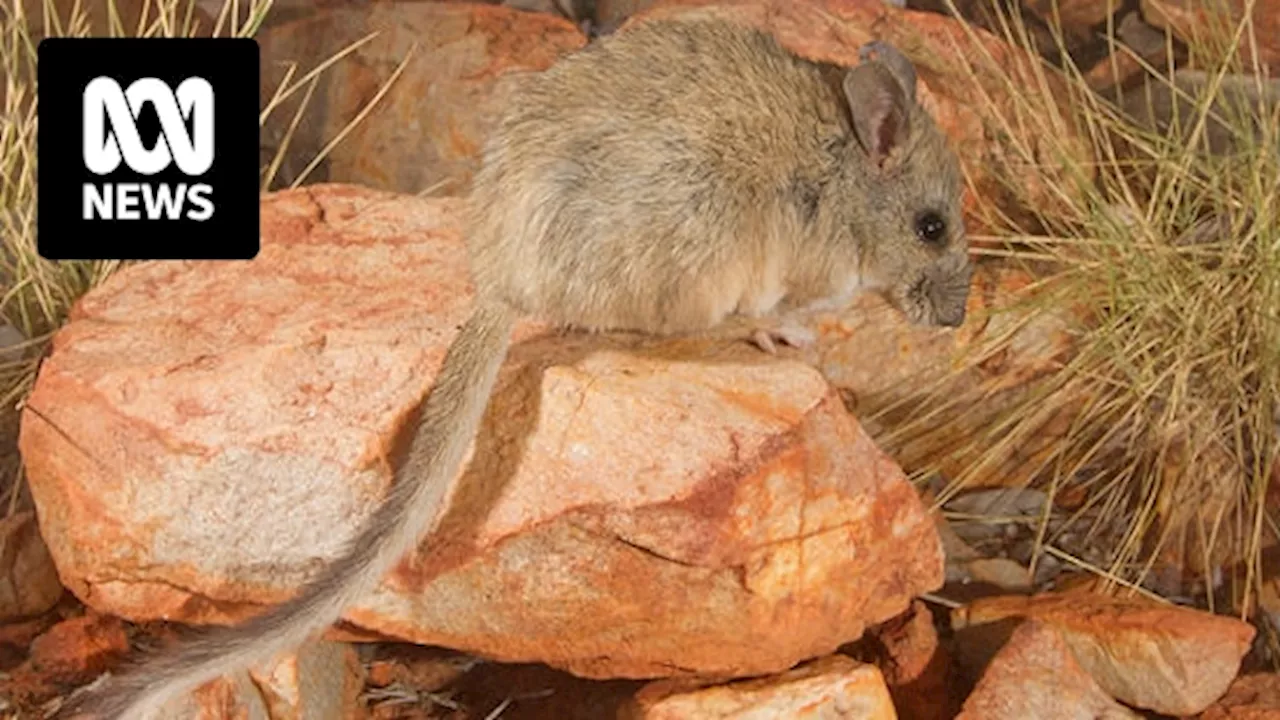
<point>893,59</point>
<point>879,107</point>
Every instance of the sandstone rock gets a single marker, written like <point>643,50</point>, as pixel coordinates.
<point>16,637</point>
<point>1250,697</point>
<point>1141,37</point>
<point>1034,675</point>
<point>42,660</point>
<point>1165,658</point>
<point>1200,21</point>
<point>1121,71</point>
<point>1076,17</point>
<point>899,374</point>
<point>427,131</point>
<point>535,692</point>
<point>915,665</point>
<point>321,681</point>
<point>634,508</point>
<point>227,697</point>
<point>990,16</point>
<point>76,650</point>
<point>21,688</point>
<point>832,31</point>
<point>834,686</point>
<point>29,582</point>
<point>1112,75</point>
<point>424,669</point>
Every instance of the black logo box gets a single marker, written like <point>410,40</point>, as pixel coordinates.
<point>65,67</point>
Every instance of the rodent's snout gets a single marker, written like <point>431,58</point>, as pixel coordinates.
<point>952,316</point>
<point>949,292</point>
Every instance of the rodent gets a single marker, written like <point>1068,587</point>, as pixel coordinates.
<point>664,179</point>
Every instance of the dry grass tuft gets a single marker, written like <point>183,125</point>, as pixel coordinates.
<point>1165,250</point>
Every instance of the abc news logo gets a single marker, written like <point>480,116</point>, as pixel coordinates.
<point>155,141</point>
<point>191,151</point>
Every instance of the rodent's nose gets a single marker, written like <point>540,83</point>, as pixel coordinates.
<point>952,317</point>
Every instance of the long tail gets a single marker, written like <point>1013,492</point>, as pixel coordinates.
<point>449,421</point>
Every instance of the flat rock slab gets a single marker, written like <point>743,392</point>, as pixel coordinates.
<point>205,435</point>
<point>29,582</point>
<point>1173,660</point>
<point>1035,676</point>
<point>830,687</point>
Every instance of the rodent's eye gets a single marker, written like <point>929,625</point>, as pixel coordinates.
<point>931,227</point>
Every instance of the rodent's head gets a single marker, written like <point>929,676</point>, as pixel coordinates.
<point>901,186</point>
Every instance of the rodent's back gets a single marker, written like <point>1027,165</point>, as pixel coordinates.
<point>654,161</point>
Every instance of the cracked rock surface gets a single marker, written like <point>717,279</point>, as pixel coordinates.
<point>207,434</point>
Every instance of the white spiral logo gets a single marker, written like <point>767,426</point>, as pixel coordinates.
<point>192,152</point>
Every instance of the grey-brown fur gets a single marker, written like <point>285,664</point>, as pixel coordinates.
<point>680,171</point>
<point>661,180</point>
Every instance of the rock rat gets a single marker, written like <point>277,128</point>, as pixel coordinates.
<point>663,180</point>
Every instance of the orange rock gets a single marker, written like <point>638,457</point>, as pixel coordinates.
<point>1165,658</point>
<point>947,62</point>
<point>15,638</point>
<point>1250,697</point>
<point>68,654</point>
<point>898,373</point>
<point>612,13</point>
<point>227,698</point>
<point>78,649</point>
<point>321,681</point>
<point>1200,21</point>
<point>633,509</point>
<point>1035,676</point>
<point>833,686</point>
<point>1077,17</point>
<point>428,129</point>
<point>916,667</point>
<point>423,669</point>
<point>29,582</point>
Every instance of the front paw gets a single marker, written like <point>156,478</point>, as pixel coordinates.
<point>794,336</point>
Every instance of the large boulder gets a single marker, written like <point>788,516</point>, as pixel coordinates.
<point>205,435</point>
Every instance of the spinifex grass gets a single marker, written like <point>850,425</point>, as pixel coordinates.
<point>1163,259</point>
<point>35,295</point>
